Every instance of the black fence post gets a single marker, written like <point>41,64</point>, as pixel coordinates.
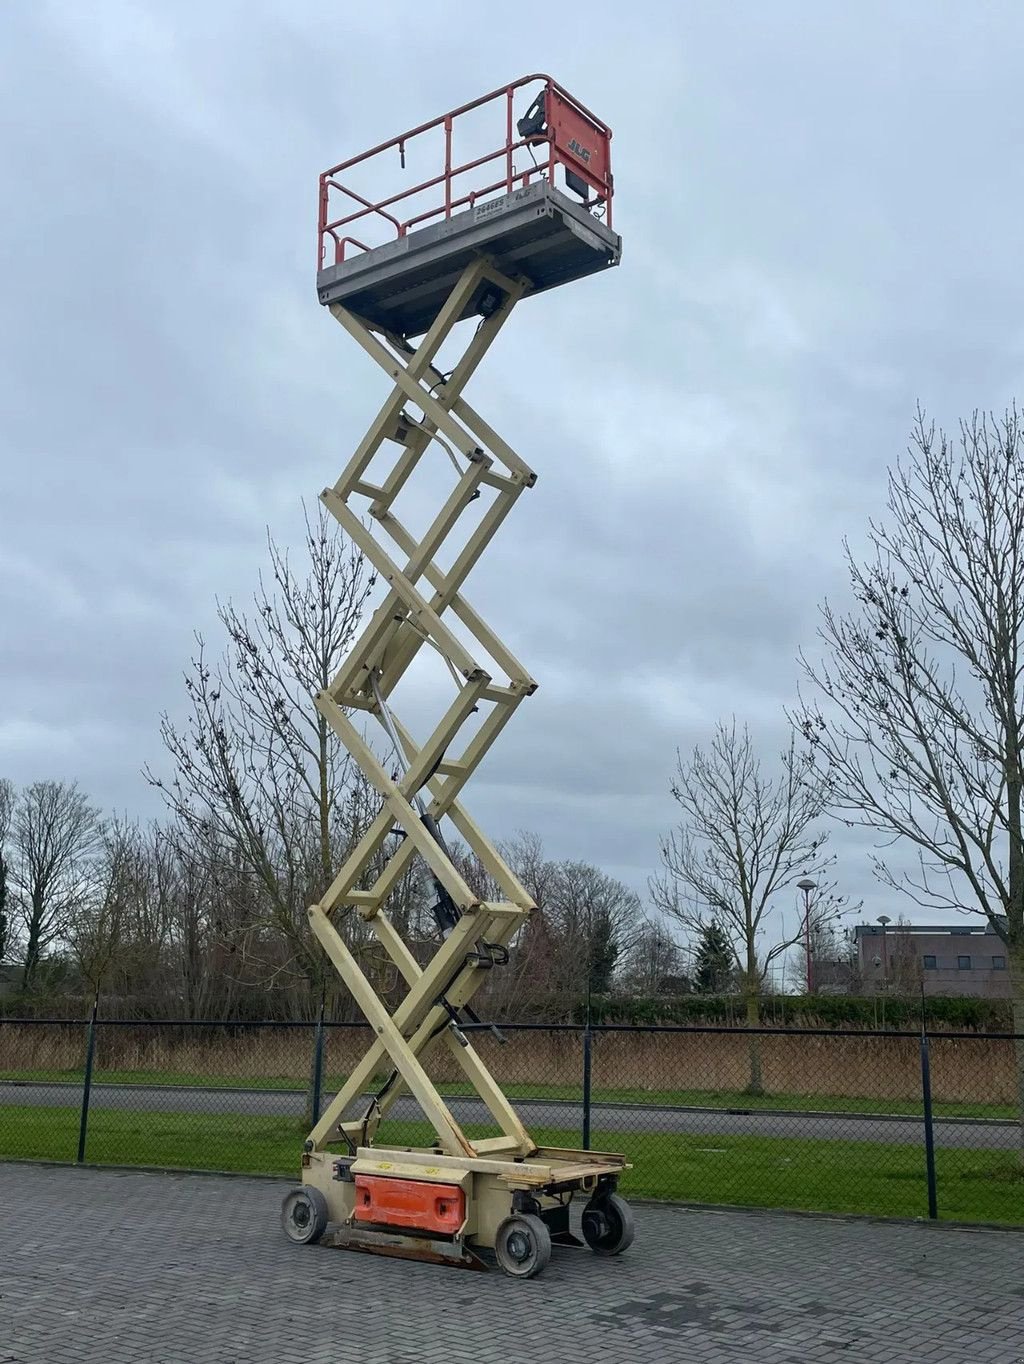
<point>929,1131</point>
<point>587,1036</point>
<point>318,1066</point>
<point>90,1050</point>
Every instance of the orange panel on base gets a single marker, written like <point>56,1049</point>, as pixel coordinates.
<point>411,1203</point>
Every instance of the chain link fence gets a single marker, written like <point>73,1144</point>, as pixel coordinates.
<point>888,1123</point>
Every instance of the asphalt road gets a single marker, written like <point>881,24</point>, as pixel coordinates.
<point>635,1119</point>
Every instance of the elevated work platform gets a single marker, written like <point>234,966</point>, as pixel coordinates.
<point>490,226</point>
<point>521,179</point>
<point>536,233</point>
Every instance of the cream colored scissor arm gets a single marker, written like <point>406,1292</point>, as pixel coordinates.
<point>490,684</point>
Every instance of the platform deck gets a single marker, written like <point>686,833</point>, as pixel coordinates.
<point>537,233</point>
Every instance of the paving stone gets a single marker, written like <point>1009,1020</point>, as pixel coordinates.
<point>117,1267</point>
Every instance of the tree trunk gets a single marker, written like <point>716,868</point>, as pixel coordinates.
<point>752,985</point>
<point>31,953</point>
<point>325,806</point>
<point>4,916</point>
<point>1016,964</point>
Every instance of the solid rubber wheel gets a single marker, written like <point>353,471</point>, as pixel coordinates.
<point>608,1226</point>
<point>522,1245</point>
<point>304,1215</point>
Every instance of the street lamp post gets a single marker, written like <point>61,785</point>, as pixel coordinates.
<point>587,1035</point>
<point>807,885</point>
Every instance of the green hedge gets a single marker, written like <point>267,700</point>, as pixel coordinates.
<point>955,1014</point>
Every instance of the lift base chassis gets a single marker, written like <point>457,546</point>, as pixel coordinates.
<point>542,1184</point>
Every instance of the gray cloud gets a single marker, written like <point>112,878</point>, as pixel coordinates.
<point>821,225</point>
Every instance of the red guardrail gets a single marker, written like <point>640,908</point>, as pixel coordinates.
<point>576,140</point>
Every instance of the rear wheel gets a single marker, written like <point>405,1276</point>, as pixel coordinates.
<point>522,1245</point>
<point>608,1226</point>
<point>304,1215</point>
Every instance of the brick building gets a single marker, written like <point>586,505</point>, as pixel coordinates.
<point>948,960</point>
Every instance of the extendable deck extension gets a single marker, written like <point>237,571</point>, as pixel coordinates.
<point>477,237</point>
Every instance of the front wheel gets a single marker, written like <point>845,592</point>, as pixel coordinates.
<point>522,1245</point>
<point>304,1215</point>
<point>608,1226</point>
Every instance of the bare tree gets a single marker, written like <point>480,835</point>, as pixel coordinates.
<point>260,782</point>
<point>529,985</point>
<point>158,981</point>
<point>188,897</point>
<point>6,809</point>
<point>653,962</point>
<point>55,840</point>
<point>917,709</point>
<point>587,923</point>
<point>591,921</point>
<point>97,926</point>
<point>743,838</point>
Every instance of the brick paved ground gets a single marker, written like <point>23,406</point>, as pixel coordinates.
<point>110,1267</point>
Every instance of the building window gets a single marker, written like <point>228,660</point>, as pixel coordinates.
<point>963,963</point>
<point>998,963</point>
<point>930,963</point>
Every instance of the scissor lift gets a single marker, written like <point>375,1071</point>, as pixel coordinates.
<point>519,202</point>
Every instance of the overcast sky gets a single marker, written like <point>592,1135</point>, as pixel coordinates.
<point>821,211</point>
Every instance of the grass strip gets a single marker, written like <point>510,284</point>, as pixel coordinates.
<point>821,1176</point>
